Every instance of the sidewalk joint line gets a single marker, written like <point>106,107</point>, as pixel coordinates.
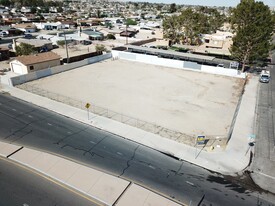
<point>15,152</point>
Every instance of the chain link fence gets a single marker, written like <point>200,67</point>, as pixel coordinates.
<point>211,140</point>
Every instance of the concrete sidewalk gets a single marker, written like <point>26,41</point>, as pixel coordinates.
<point>104,189</point>
<point>233,159</point>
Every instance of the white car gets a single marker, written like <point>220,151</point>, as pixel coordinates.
<point>265,76</point>
<point>3,33</point>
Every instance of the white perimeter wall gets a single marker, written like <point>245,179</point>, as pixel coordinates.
<point>150,59</point>
<point>54,70</point>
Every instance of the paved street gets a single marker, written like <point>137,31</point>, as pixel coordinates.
<point>25,124</point>
<point>263,166</point>
<point>22,187</point>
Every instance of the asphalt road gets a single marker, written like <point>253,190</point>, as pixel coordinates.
<point>19,186</point>
<point>28,125</point>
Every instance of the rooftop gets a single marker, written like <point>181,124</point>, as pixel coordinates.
<point>38,58</point>
<point>34,42</point>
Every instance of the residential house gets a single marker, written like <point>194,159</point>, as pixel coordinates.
<point>92,34</point>
<point>29,18</point>
<point>39,44</point>
<point>217,40</point>
<point>127,33</point>
<point>26,9</point>
<point>75,37</point>
<point>36,62</point>
<point>218,43</point>
<point>8,19</point>
<point>89,22</point>
<point>114,31</point>
<point>149,25</point>
<point>69,24</point>
<point>50,26</point>
<point>114,21</point>
<point>14,32</point>
<point>26,27</point>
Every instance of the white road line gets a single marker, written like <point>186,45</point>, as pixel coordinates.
<point>92,142</point>
<point>119,153</point>
<point>13,109</point>
<point>49,124</point>
<point>29,116</point>
<point>260,173</point>
<point>152,167</point>
<point>190,183</point>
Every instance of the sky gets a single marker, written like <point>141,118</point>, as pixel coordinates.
<point>227,3</point>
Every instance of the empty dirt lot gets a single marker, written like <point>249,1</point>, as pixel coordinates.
<point>191,102</point>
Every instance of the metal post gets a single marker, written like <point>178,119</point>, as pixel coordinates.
<point>88,113</point>
<point>126,33</point>
<point>66,45</point>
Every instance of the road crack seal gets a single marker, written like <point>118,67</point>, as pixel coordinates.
<point>128,162</point>
<point>84,151</point>
<point>67,136</point>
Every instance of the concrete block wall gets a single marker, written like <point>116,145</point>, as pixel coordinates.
<point>58,69</point>
<point>150,59</point>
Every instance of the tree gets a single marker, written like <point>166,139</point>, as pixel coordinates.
<point>173,8</point>
<point>172,29</point>
<point>61,43</point>
<point>159,7</point>
<point>110,36</point>
<point>5,2</point>
<point>131,22</point>
<point>188,26</point>
<point>215,20</point>
<point>59,9</point>
<point>24,49</point>
<point>100,48</point>
<point>33,10</point>
<point>98,13</point>
<point>194,23</point>
<point>253,24</point>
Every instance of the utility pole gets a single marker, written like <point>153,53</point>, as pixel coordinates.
<point>126,33</point>
<point>66,46</point>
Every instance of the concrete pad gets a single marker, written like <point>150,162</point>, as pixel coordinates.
<point>108,188</point>
<point>45,162</point>
<point>25,156</point>
<point>63,170</point>
<point>88,178</point>
<point>136,196</point>
<point>6,149</point>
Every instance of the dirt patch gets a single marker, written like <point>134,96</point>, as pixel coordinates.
<point>186,101</point>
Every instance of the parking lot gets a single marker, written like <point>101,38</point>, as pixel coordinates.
<point>186,101</point>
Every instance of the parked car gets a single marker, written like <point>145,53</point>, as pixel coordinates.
<point>265,76</point>
<point>43,49</point>
<point>28,36</point>
<point>85,42</point>
<point>3,33</point>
